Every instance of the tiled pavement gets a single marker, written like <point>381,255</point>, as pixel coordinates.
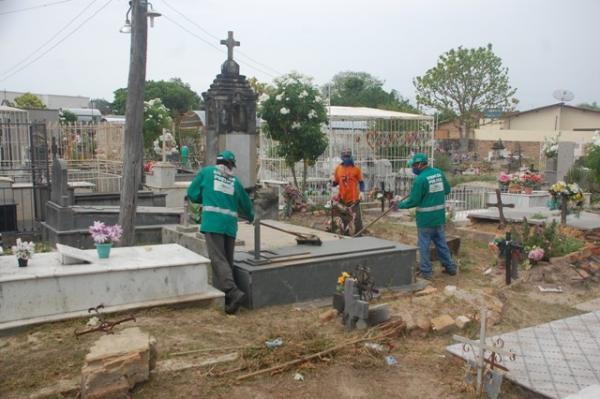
<point>555,359</point>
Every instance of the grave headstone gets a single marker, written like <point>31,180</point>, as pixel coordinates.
<point>231,117</point>
<point>60,193</point>
<point>557,168</point>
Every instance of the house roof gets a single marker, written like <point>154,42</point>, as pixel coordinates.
<point>4,108</point>
<point>563,105</point>
<point>338,113</point>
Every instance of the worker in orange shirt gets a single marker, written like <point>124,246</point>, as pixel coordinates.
<point>349,178</point>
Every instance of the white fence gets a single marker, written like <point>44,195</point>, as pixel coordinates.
<point>380,148</point>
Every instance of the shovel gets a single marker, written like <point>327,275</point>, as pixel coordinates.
<point>301,239</point>
<point>375,220</point>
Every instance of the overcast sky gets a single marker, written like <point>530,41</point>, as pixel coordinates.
<point>546,44</point>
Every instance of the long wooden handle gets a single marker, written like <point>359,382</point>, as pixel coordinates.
<point>283,230</point>
<point>376,219</point>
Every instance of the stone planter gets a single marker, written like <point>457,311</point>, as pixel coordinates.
<point>22,262</point>
<point>338,302</point>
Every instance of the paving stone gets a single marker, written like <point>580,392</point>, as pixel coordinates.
<point>442,324</point>
<point>116,363</point>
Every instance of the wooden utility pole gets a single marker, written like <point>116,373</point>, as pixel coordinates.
<point>133,142</point>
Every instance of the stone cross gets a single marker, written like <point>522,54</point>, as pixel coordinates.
<point>500,207</point>
<point>356,311</point>
<point>59,191</point>
<point>230,43</point>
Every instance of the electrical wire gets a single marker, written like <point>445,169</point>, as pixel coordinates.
<point>34,7</point>
<point>49,40</point>
<point>240,52</point>
<point>85,21</point>
<point>219,49</point>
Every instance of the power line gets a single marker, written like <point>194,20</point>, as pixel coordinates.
<point>240,52</point>
<point>60,41</point>
<point>34,7</point>
<point>49,40</point>
<point>214,46</point>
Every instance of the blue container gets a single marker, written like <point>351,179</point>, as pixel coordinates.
<point>103,250</point>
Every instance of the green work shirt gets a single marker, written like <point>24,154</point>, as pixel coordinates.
<point>221,196</point>
<point>428,195</point>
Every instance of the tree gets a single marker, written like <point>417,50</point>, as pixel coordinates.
<point>259,88</point>
<point>156,118</point>
<point>101,105</point>
<point>593,105</point>
<point>28,100</point>
<point>67,117</point>
<point>294,114</point>
<point>361,89</point>
<point>174,94</point>
<point>465,82</point>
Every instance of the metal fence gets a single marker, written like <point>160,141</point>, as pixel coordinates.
<point>84,141</point>
<point>380,147</point>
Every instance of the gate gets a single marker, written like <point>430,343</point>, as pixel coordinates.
<point>24,176</point>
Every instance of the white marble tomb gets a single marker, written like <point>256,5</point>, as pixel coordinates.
<point>132,277</point>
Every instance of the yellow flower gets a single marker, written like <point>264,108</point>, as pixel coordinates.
<point>346,274</point>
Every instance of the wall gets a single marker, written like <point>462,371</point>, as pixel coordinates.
<point>543,119</point>
<point>529,149</point>
<point>572,118</point>
<point>43,115</point>
<point>52,101</point>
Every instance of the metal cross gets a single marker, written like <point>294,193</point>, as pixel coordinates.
<point>481,346</point>
<point>230,43</point>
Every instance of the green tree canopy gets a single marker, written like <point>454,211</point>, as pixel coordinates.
<point>67,117</point>
<point>176,95</point>
<point>293,115</point>
<point>361,89</point>
<point>465,82</point>
<point>29,100</point>
<point>105,107</point>
<point>156,118</point>
<point>259,88</point>
<point>593,105</point>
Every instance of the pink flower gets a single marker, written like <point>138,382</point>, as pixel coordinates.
<point>504,178</point>
<point>115,232</point>
<point>101,233</point>
<point>536,254</point>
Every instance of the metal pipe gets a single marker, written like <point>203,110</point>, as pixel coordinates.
<point>508,258</point>
<point>257,238</point>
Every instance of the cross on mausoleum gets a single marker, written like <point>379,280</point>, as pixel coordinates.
<point>230,43</point>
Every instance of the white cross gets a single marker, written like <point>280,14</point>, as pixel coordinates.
<point>481,347</point>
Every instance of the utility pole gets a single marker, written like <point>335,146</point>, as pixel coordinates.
<point>134,113</point>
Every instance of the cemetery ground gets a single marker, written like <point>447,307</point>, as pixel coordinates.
<point>43,356</point>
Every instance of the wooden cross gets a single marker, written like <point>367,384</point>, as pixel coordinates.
<point>500,207</point>
<point>230,43</point>
<point>481,346</point>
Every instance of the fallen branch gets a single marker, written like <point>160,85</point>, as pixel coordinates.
<point>390,328</point>
<point>228,348</point>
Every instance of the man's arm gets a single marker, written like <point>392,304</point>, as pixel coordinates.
<point>194,191</point>
<point>416,195</point>
<point>244,202</point>
<point>335,182</point>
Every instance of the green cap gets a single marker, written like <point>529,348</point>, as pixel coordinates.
<point>226,156</point>
<point>419,157</point>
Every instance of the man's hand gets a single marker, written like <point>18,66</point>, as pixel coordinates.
<point>396,201</point>
<point>361,196</point>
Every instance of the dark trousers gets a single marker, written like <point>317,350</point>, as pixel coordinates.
<point>347,219</point>
<point>220,251</point>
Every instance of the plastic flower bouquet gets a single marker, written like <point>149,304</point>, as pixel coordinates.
<point>535,255</point>
<point>103,234</point>
<point>23,249</point>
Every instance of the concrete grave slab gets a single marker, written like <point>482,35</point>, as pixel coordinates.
<point>583,221</point>
<point>133,277</point>
<point>554,359</point>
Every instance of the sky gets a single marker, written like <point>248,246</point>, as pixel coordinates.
<point>77,49</point>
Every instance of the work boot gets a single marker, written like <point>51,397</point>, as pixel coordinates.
<point>235,301</point>
<point>425,276</point>
<point>450,272</point>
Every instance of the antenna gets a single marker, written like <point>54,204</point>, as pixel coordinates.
<point>563,95</point>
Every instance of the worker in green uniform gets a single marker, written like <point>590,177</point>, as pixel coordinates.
<point>185,153</point>
<point>221,195</point>
<point>428,195</point>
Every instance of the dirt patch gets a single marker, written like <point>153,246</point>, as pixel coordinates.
<point>37,357</point>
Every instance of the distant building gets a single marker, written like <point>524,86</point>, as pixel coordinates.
<point>52,101</point>
<point>86,114</point>
<point>526,130</point>
<point>114,119</point>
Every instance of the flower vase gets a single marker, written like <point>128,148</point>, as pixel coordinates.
<point>528,190</point>
<point>338,302</point>
<point>22,262</point>
<point>103,250</point>
<point>514,188</point>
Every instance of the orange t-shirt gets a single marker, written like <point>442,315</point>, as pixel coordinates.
<point>348,178</point>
